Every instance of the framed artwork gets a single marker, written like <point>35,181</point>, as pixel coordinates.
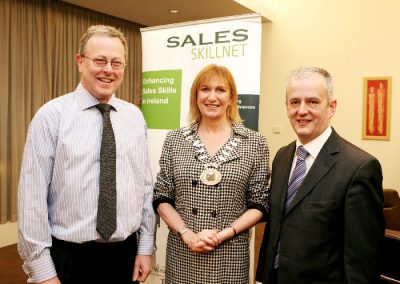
<point>377,106</point>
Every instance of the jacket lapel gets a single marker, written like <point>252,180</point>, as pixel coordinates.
<point>283,167</point>
<point>230,151</point>
<point>321,166</point>
<point>234,154</point>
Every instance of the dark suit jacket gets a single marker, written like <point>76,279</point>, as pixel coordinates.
<point>334,228</point>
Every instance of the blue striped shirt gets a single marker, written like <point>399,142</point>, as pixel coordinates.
<point>59,182</point>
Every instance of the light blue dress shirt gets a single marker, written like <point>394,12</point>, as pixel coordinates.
<point>59,182</point>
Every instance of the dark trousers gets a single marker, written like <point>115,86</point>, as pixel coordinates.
<point>274,277</point>
<point>94,262</point>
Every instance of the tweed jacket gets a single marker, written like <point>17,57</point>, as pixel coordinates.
<point>333,230</point>
<point>244,185</point>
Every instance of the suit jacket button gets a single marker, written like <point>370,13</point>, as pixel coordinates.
<point>194,211</point>
<point>214,213</point>
<point>194,182</point>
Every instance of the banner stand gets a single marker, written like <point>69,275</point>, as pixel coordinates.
<point>172,57</point>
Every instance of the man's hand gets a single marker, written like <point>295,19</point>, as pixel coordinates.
<point>53,280</point>
<point>142,268</point>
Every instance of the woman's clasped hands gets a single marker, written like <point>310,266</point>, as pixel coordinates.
<point>202,242</point>
<point>207,240</point>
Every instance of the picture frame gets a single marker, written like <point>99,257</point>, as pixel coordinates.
<point>377,94</point>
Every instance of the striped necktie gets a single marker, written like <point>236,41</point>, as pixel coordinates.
<point>295,182</point>
<point>298,175</point>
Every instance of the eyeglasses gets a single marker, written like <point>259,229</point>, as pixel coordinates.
<point>101,62</point>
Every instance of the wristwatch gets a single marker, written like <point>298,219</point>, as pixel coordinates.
<point>182,230</point>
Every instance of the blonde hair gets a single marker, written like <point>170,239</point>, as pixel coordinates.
<point>102,30</point>
<point>205,75</point>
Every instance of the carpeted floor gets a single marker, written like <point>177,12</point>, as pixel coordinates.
<point>10,266</point>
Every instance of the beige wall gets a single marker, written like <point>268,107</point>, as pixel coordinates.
<point>351,39</point>
<point>8,234</point>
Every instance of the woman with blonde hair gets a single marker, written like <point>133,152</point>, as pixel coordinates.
<point>212,186</point>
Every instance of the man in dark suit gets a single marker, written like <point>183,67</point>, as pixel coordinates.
<point>327,225</point>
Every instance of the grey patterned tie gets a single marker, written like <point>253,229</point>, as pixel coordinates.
<point>296,180</point>
<point>106,210</point>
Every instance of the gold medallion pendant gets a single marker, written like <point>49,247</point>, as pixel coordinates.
<point>211,176</point>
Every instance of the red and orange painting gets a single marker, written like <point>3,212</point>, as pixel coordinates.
<point>376,113</point>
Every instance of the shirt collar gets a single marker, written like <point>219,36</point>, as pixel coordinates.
<point>86,100</point>
<point>316,145</point>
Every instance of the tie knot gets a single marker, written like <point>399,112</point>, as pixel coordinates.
<point>104,107</point>
<point>302,153</point>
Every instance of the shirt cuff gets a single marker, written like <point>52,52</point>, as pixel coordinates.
<point>146,244</point>
<point>40,269</point>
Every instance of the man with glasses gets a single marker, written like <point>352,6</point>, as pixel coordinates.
<point>326,223</point>
<point>85,192</point>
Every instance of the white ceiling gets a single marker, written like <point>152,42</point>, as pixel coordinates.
<point>156,12</point>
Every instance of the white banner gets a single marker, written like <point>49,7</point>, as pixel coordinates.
<point>172,57</point>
